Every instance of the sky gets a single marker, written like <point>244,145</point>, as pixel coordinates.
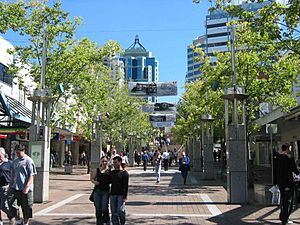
<point>165,27</point>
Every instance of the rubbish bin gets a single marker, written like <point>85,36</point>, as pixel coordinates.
<point>68,169</point>
<point>262,195</point>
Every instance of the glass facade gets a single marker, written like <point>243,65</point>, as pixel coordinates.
<point>4,76</point>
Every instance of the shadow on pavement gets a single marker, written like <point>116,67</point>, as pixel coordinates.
<point>68,221</point>
<point>245,214</point>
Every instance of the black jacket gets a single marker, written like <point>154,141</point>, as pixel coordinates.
<point>284,167</point>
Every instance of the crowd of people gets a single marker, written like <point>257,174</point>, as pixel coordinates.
<point>147,157</point>
<point>16,182</point>
<point>167,158</point>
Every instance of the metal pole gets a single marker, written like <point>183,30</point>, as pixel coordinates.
<point>271,137</point>
<point>44,61</point>
<point>235,101</point>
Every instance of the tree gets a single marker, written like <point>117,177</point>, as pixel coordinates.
<point>78,65</point>
<point>280,70</point>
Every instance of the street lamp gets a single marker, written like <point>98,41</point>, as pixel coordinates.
<point>130,149</point>
<point>39,135</point>
<point>96,142</point>
<point>208,145</point>
<point>235,133</point>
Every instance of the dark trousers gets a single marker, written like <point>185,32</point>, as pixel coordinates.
<point>166,164</point>
<point>18,198</point>
<point>145,162</point>
<point>286,203</point>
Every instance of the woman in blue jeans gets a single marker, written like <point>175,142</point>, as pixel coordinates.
<point>101,178</point>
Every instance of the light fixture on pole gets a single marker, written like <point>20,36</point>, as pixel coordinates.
<point>208,145</point>
<point>40,132</point>
<point>235,133</point>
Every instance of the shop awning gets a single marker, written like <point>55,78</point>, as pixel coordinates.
<point>14,109</point>
<point>13,130</point>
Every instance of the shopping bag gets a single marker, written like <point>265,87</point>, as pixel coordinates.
<point>275,195</point>
<point>91,198</point>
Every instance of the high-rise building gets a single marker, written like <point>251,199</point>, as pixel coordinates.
<point>193,72</point>
<point>217,36</point>
<point>140,65</point>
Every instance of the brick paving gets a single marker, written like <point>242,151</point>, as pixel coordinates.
<point>169,202</point>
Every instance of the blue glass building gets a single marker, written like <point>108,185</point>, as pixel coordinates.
<point>140,65</point>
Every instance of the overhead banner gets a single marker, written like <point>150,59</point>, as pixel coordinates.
<point>164,107</point>
<point>152,89</point>
<point>163,124</point>
<point>148,108</point>
<point>161,107</point>
<point>162,118</point>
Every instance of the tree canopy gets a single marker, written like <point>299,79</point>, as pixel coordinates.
<point>79,66</point>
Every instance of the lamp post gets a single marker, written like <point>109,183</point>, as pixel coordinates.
<point>131,149</point>
<point>235,133</point>
<point>196,151</point>
<point>39,134</point>
<point>96,143</point>
<point>208,145</point>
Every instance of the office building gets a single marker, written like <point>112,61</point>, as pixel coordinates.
<point>140,65</point>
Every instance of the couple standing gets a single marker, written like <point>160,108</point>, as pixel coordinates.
<point>102,177</point>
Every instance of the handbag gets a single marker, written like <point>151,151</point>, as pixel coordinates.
<point>91,198</point>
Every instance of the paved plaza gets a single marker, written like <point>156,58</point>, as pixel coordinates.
<point>169,202</point>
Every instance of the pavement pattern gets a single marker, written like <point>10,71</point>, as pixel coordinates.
<point>169,202</point>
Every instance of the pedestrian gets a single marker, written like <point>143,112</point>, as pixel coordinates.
<point>175,155</point>
<point>285,166</point>
<point>113,153</point>
<point>5,175</point>
<point>101,178</point>
<point>166,157</point>
<point>145,158</point>
<point>171,158</point>
<point>137,157</point>
<point>125,160</point>
<point>118,194</point>
<point>184,166</point>
<point>21,186</point>
<point>157,164</point>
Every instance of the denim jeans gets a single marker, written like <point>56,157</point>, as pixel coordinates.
<point>4,201</point>
<point>101,205</point>
<point>157,172</point>
<point>117,207</point>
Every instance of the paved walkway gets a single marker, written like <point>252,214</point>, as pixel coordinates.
<point>169,202</point>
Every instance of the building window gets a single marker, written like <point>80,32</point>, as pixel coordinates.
<point>216,25</point>
<point>134,69</point>
<point>146,71</point>
<point>4,76</point>
<point>217,44</point>
<point>218,35</point>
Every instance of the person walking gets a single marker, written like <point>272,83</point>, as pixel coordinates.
<point>101,178</point>
<point>118,194</point>
<point>166,157</point>
<point>184,166</point>
<point>21,186</point>
<point>157,165</point>
<point>145,158</point>
<point>5,175</point>
<point>285,166</point>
